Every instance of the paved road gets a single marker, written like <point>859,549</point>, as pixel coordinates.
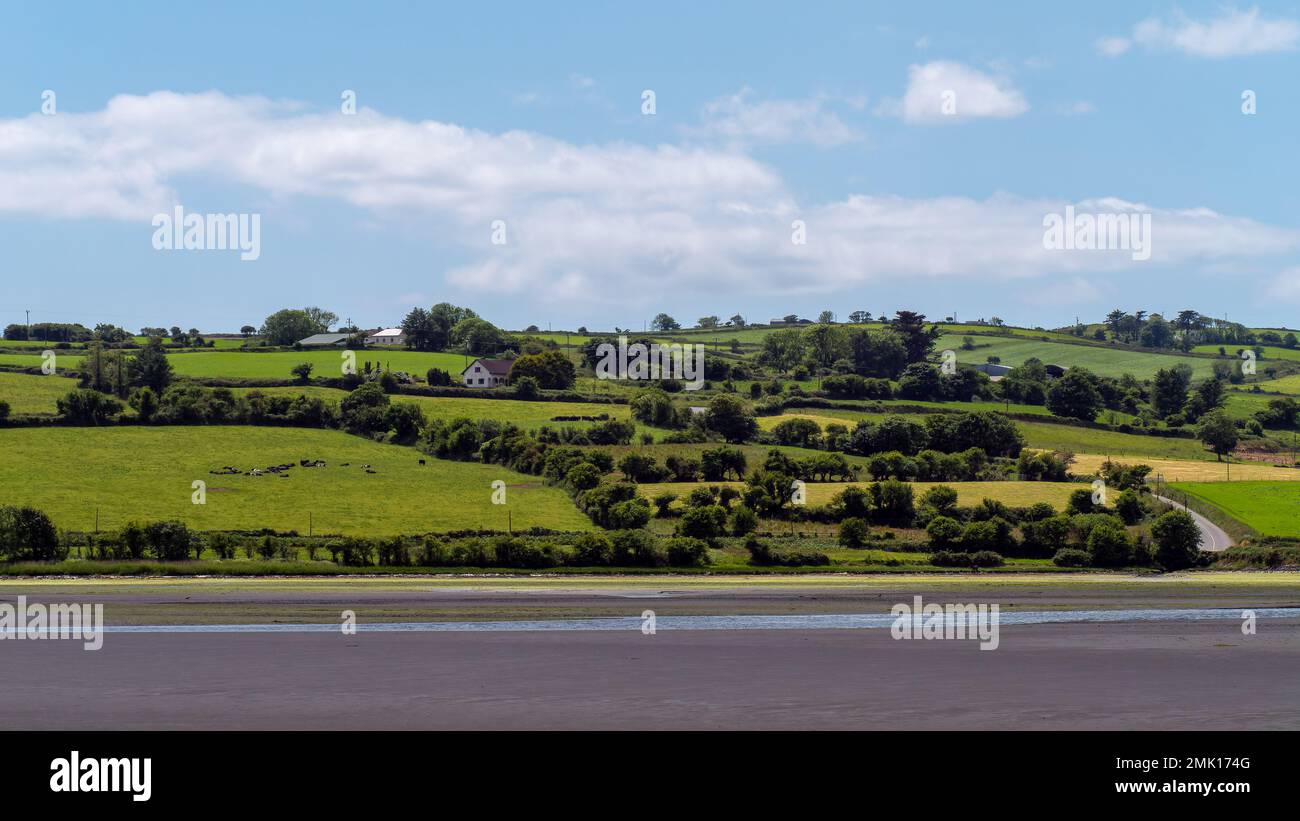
<point>1213,537</point>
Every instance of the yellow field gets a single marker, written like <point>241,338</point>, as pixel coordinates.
<point>1183,470</point>
<point>1014,494</point>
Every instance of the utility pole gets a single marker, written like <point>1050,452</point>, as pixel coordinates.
<point>29,325</point>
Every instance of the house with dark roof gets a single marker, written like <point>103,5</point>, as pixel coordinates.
<point>319,340</point>
<point>486,373</point>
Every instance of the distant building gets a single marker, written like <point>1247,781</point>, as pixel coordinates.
<point>387,336</point>
<point>992,368</point>
<point>486,373</point>
<point>321,340</point>
<point>1055,371</point>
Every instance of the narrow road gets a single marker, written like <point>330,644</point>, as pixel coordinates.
<point>1213,537</point>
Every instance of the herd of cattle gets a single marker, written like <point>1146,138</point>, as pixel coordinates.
<point>283,470</point>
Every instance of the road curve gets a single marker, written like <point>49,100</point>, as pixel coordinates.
<point>1213,537</point>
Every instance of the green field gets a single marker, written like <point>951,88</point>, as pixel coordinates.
<point>63,361</point>
<point>28,393</point>
<point>1289,385</point>
<point>1270,352</point>
<point>146,474</point>
<point>328,363</point>
<point>528,415</point>
<point>1101,360</point>
<point>1272,508</point>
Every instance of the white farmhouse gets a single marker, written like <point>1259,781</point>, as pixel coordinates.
<point>388,336</point>
<point>486,373</point>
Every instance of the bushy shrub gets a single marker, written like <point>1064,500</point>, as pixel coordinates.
<point>986,558</point>
<point>944,532</point>
<point>742,521</point>
<point>593,549</point>
<point>686,552</point>
<point>704,522</point>
<point>27,533</point>
<point>947,558</point>
<point>854,532</point>
<point>1109,545</point>
<point>1072,557</point>
<point>764,555</point>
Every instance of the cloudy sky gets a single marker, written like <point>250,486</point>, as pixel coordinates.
<point>786,159</point>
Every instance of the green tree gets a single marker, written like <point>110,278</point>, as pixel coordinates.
<point>664,322</point>
<point>82,407</point>
<point>917,339</point>
<point>552,369</point>
<point>302,370</point>
<point>1075,396</point>
<point>1177,540</point>
<point>782,349</point>
<point>1219,432</point>
<point>1169,390</point>
<point>729,416</point>
<point>145,403</point>
<point>287,326</point>
<point>419,329</point>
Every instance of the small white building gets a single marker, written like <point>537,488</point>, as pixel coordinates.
<point>486,373</point>
<point>388,336</point>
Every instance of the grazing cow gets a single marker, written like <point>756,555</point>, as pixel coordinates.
<point>422,461</point>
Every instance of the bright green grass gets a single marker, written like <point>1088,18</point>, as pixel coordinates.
<point>1272,508</point>
<point>1101,360</point>
<point>528,415</point>
<point>277,365</point>
<point>63,361</point>
<point>1289,385</point>
<point>146,473</point>
<point>31,394</point>
<point>1270,352</point>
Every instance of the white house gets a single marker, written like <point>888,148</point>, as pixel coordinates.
<point>486,373</point>
<point>388,336</point>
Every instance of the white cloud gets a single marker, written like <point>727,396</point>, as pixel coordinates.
<point>1078,108</point>
<point>1113,46</point>
<point>944,91</point>
<point>1286,285</point>
<point>1234,33</point>
<point>587,224</point>
<point>739,117</point>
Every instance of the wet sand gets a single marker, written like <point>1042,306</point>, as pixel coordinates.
<point>1184,675</point>
<point>267,600</point>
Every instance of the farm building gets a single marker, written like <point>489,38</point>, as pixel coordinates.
<point>992,368</point>
<point>1055,371</point>
<point>486,373</point>
<point>321,340</point>
<point>387,336</point>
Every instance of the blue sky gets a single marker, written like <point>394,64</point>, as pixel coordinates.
<point>826,114</point>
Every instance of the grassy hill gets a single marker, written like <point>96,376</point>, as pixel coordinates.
<point>27,393</point>
<point>1271,508</point>
<point>146,474</point>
